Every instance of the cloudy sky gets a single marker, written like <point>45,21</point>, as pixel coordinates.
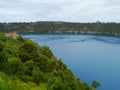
<point>60,10</point>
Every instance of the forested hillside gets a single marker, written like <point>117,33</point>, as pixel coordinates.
<point>26,66</point>
<point>62,28</point>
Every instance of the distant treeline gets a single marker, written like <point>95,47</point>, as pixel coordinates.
<point>62,28</point>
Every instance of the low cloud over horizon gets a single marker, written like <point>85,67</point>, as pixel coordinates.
<point>60,10</point>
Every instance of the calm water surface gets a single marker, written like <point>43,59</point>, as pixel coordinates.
<point>90,57</point>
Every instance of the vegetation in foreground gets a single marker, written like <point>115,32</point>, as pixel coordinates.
<point>26,66</point>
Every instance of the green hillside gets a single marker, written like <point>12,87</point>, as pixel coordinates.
<point>62,28</point>
<point>26,66</point>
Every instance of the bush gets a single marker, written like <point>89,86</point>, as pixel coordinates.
<point>5,83</point>
<point>15,66</point>
<point>95,84</point>
<point>1,47</point>
<point>56,83</point>
<point>46,51</point>
<point>38,75</point>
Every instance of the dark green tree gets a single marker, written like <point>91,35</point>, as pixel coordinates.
<point>3,59</point>
<point>43,63</point>
<point>20,39</point>
<point>1,46</point>
<point>85,86</point>
<point>95,84</point>
<point>46,51</point>
<point>28,51</point>
<point>14,66</point>
<point>38,75</point>
<point>56,83</point>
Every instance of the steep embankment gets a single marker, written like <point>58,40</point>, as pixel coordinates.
<point>26,66</point>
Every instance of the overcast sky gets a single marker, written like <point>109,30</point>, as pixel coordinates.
<point>60,10</point>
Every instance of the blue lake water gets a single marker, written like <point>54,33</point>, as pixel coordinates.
<point>90,57</point>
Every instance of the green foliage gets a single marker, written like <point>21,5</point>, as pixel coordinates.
<point>23,55</point>
<point>28,50</point>
<point>5,83</point>
<point>61,65</point>
<point>20,39</point>
<point>3,59</point>
<point>27,66</point>
<point>38,75</point>
<point>14,66</point>
<point>3,38</point>
<point>46,51</point>
<point>29,86</point>
<point>56,83</point>
<point>29,46</point>
<point>1,47</point>
<point>85,86</point>
<point>52,65</point>
<point>95,84</point>
<point>43,62</point>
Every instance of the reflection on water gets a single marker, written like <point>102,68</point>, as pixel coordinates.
<point>105,39</point>
<point>81,38</point>
<point>52,38</point>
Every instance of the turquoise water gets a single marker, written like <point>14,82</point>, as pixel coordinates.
<point>90,57</point>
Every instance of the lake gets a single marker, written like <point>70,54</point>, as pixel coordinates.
<point>90,57</point>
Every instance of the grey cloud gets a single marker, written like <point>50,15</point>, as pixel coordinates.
<point>61,10</point>
<point>112,3</point>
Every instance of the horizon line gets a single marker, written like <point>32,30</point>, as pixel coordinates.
<point>56,21</point>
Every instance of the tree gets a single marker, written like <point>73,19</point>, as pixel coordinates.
<point>6,83</point>
<point>1,47</point>
<point>20,39</point>
<point>46,51</point>
<point>37,75</point>
<point>14,66</point>
<point>29,46</point>
<point>28,50</point>
<point>3,59</point>
<point>85,86</point>
<point>43,63</point>
<point>95,84</point>
<point>56,83</point>
<point>23,55</point>
<point>29,66</point>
